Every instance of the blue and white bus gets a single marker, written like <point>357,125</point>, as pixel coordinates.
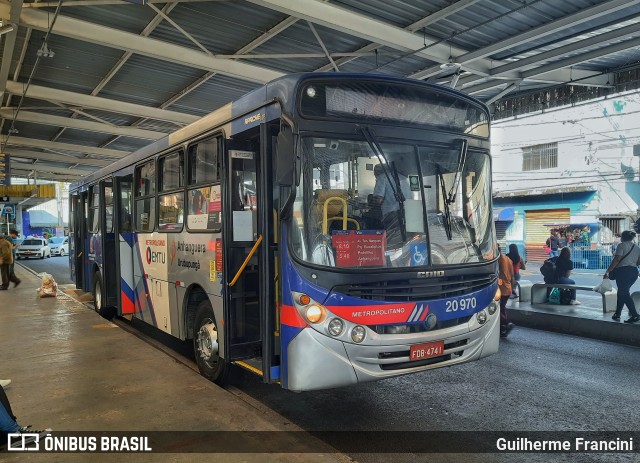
<point>323,230</point>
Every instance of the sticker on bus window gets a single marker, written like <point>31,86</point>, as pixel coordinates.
<point>218,260</point>
<point>237,154</point>
<point>205,208</point>
<point>212,270</point>
<point>356,248</point>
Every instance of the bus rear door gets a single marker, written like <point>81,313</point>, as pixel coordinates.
<point>125,243</point>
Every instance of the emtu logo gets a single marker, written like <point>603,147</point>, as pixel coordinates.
<point>156,256</point>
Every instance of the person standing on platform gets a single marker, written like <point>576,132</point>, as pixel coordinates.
<point>626,262</point>
<point>505,275</point>
<point>13,236</point>
<point>6,259</point>
<point>553,243</point>
<point>518,264</point>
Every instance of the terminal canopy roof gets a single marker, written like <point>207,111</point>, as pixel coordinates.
<point>85,82</point>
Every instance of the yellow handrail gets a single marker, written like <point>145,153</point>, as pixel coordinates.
<point>246,261</point>
<point>343,201</point>
<point>349,219</point>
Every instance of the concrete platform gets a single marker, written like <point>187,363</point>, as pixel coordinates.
<point>586,320</point>
<point>72,370</point>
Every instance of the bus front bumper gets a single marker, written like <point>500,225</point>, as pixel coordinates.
<point>317,361</point>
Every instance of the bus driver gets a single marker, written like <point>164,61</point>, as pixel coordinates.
<point>383,194</point>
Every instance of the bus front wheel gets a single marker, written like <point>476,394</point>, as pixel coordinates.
<point>98,298</point>
<point>205,345</point>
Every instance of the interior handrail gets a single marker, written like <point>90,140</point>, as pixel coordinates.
<point>246,261</point>
<point>325,227</point>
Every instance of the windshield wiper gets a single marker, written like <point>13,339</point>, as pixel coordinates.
<point>462,159</point>
<point>395,184</point>
<point>446,213</point>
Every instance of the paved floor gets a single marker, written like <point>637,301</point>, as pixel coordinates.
<point>74,371</point>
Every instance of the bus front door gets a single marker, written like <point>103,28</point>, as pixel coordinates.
<point>246,248</point>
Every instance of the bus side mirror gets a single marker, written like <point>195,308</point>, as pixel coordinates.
<point>285,159</point>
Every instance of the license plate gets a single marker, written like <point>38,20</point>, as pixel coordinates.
<point>427,350</point>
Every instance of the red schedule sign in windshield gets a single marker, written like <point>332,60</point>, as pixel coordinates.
<point>359,248</point>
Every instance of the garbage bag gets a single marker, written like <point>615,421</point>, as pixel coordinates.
<point>604,286</point>
<point>48,287</point>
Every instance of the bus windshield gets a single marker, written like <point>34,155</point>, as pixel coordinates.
<point>363,203</point>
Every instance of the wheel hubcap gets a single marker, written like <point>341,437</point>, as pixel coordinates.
<point>208,342</point>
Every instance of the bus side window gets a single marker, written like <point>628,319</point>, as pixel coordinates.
<point>145,197</point>
<point>203,203</point>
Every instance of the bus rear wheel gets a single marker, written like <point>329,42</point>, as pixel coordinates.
<point>206,346</point>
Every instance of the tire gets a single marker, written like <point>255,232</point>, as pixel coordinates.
<point>205,345</point>
<point>42,256</point>
<point>62,253</point>
<point>98,298</point>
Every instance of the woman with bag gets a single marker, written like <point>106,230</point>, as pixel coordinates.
<point>564,265</point>
<point>518,264</point>
<point>624,269</point>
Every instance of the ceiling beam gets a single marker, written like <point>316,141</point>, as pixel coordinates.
<point>572,20</point>
<point>59,121</point>
<point>39,167</point>
<point>438,15</point>
<point>55,157</point>
<point>9,46</point>
<point>537,32</point>
<point>45,144</point>
<point>114,38</point>
<point>530,61</point>
<point>358,25</point>
<point>103,104</point>
<point>540,71</point>
<point>45,176</point>
<point>68,3</point>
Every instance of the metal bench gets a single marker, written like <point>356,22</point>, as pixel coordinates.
<point>524,290</point>
<point>539,295</point>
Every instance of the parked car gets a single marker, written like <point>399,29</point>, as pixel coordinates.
<point>33,247</point>
<point>59,245</point>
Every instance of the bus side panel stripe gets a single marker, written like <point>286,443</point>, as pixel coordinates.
<point>147,294</point>
<point>289,316</point>
<point>126,303</point>
<point>126,297</point>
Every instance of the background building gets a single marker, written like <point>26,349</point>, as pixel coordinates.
<point>570,168</point>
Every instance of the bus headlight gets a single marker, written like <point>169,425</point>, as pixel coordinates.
<point>492,307</point>
<point>358,333</point>
<point>431,321</point>
<point>481,317</point>
<point>335,327</point>
<point>310,310</point>
<point>315,313</point>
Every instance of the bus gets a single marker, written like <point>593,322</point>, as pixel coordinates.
<point>321,231</point>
